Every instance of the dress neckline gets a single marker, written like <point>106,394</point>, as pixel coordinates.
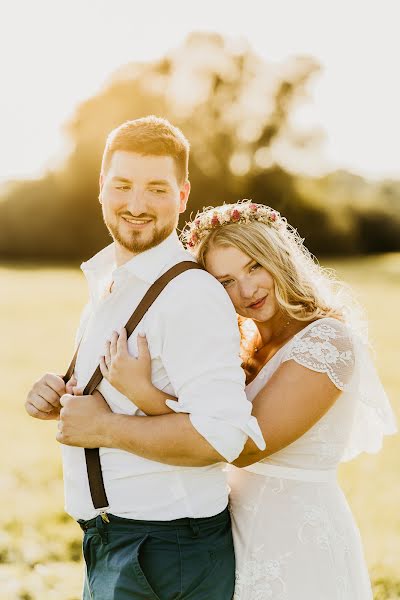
<point>284,346</point>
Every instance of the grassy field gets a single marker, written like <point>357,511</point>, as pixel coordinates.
<point>40,556</point>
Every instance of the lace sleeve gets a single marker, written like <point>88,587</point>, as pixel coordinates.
<point>326,347</point>
<point>329,346</point>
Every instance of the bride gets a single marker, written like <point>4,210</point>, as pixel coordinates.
<point>316,396</point>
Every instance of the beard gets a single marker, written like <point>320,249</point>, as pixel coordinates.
<point>138,241</point>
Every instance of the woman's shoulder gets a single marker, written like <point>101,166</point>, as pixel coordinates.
<point>324,346</point>
<point>326,328</point>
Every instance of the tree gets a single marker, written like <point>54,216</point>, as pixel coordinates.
<point>233,107</point>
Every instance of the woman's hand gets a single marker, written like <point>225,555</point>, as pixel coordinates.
<point>132,376</point>
<point>129,375</point>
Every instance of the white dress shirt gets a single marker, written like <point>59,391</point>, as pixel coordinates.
<point>193,339</point>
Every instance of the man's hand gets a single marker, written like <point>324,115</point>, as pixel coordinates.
<point>43,400</point>
<point>83,420</point>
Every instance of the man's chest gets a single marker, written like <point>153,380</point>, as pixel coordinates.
<point>106,314</point>
<point>110,314</point>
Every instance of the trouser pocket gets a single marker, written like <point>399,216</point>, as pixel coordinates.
<point>114,570</point>
<point>157,565</point>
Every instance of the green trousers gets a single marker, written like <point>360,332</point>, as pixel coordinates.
<point>184,559</point>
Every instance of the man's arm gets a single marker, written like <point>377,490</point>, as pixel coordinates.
<point>199,346</point>
<point>169,439</point>
<point>293,400</point>
<point>200,352</point>
<point>88,421</point>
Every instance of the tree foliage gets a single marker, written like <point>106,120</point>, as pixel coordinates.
<point>233,107</point>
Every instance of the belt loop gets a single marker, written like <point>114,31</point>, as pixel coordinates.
<point>194,527</point>
<point>101,527</point>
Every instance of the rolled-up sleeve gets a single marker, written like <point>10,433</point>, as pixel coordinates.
<point>200,353</point>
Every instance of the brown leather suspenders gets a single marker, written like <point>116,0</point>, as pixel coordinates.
<point>96,483</point>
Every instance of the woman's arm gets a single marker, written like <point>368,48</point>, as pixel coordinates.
<point>132,376</point>
<point>292,401</point>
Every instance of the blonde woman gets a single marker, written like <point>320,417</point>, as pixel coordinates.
<point>316,396</point>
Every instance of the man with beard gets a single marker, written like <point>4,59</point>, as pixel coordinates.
<point>165,532</point>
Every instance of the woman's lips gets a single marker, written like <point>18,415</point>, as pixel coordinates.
<point>258,304</point>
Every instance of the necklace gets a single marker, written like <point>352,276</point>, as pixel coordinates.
<point>258,348</point>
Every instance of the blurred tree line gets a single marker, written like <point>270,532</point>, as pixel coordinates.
<point>234,108</point>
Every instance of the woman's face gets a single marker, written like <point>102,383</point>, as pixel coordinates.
<point>249,285</point>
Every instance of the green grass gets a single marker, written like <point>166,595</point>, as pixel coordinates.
<point>40,556</point>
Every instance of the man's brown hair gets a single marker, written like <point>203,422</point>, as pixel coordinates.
<point>150,136</point>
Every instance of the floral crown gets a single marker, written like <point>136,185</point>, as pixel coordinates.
<point>244,211</point>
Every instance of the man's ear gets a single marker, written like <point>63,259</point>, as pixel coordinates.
<point>101,183</point>
<point>184,196</point>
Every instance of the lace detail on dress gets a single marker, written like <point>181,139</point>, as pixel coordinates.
<point>264,578</point>
<point>325,347</point>
<point>317,528</point>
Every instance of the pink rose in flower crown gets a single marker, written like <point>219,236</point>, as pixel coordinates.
<point>193,239</point>
<point>235,215</point>
<point>273,216</point>
<point>253,207</point>
<point>215,220</point>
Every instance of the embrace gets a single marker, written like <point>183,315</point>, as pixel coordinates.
<point>244,378</point>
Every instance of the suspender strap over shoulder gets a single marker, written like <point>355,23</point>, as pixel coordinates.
<point>92,455</point>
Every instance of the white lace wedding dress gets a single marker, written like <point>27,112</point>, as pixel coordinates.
<point>295,537</point>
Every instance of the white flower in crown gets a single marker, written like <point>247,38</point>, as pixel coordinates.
<point>244,211</point>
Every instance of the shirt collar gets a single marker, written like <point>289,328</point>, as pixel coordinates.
<point>146,266</point>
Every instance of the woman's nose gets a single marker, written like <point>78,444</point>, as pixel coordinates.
<point>247,289</point>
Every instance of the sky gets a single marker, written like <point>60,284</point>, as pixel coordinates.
<point>56,53</point>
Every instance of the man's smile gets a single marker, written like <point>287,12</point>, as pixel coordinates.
<point>135,222</point>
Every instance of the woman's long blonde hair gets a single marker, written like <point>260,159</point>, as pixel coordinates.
<point>304,290</point>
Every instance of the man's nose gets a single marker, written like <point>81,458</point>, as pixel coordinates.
<point>136,203</point>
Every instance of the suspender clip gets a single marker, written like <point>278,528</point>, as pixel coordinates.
<point>104,516</point>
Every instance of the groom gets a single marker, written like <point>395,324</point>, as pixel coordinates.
<point>167,532</point>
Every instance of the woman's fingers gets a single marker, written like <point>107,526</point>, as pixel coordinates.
<point>122,342</point>
<point>107,356</point>
<point>143,346</point>
<point>113,343</point>
<point>118,346</point>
